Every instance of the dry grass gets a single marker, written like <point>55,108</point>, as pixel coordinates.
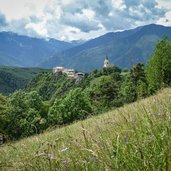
<point>134,137</point>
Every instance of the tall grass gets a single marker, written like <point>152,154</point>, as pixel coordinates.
<point>134,137</point>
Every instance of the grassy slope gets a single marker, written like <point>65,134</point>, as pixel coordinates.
<point>13,78</point>
<point>134,137</point>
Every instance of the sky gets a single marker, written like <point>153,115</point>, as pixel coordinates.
<point>80,19</point>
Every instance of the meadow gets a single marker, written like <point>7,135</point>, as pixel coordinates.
<point>136,137</point>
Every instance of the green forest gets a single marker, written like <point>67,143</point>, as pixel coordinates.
<point>54,100</point>
<point>15,78</point>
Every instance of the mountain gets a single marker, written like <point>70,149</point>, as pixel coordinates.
<point>17,50</point>
<point>13,78</point>
<point>123,49</point>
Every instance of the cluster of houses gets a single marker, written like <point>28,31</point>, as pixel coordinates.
<point>71,73</point>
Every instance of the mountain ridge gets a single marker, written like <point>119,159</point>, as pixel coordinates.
<point>124,49</point>
<point>24,51</point>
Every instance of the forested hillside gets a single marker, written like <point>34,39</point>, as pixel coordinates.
<point>56,100</point>
<point>12,79</point>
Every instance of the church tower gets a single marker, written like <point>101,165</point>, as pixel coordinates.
<point>106,62</point>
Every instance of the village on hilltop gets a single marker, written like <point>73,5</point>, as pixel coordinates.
<point>71,73</point>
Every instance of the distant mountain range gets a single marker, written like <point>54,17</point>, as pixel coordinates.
<point>123,49</point>
<point>16,50</point>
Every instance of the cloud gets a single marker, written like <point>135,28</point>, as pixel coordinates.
<point>78,19</point>
<point>119,4</point>
<point>166,19</point>
<point>84,20</point>
<point>2,20</point>
<point>18,9</point>
<point>38,29</point>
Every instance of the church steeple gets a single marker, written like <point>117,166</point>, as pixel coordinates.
<point>106,62</point>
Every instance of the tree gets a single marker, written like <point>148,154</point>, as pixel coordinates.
<point>159,66</point>
<point>73,107</point>
<point>110,70</point>
<point>134,84</point>
<point>3,117</point>
<point>141,89</point>
<point>138,77</point>
<point>25,114</point>
<point>103,91</point>
<point>137,73</point>
<point>128,90</point>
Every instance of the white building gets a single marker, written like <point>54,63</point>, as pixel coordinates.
<point>58,69</point>
<point>106,63</point>
<point>70,72</point>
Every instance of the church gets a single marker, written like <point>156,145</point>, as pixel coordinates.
<point>106,63</point>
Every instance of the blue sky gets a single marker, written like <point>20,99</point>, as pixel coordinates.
<point>80,19</point>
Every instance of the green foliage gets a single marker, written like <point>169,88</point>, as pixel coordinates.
<point>12,79</point>
<point>134,84</point>
<point>138,78</point>
<point>159,66</point>
<point>128,90</point>
<point>73,107</point>
<point>136,137</point>
<point>51,86</point>
<point>103,91</point>
<point>54,99</point>
<point>3,108</point>
<point>137,73</point>
<point>110,70</point>
<point>141,89</point>
<point>25,114</point>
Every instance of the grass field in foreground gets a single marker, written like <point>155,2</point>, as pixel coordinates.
<point>134,137</point>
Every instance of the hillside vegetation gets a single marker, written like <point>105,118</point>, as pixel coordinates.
<point>134,137</point>
<point>13,78</point>
<point>54,99</point>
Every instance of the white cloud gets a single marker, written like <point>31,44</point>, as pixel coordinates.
<point>38,28</point>
<point>78,19</point>
<point>18,9</point>
<point>90,14</point>
<point>164,4</point>
<point>166,19</point>
<point>118,4</point>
